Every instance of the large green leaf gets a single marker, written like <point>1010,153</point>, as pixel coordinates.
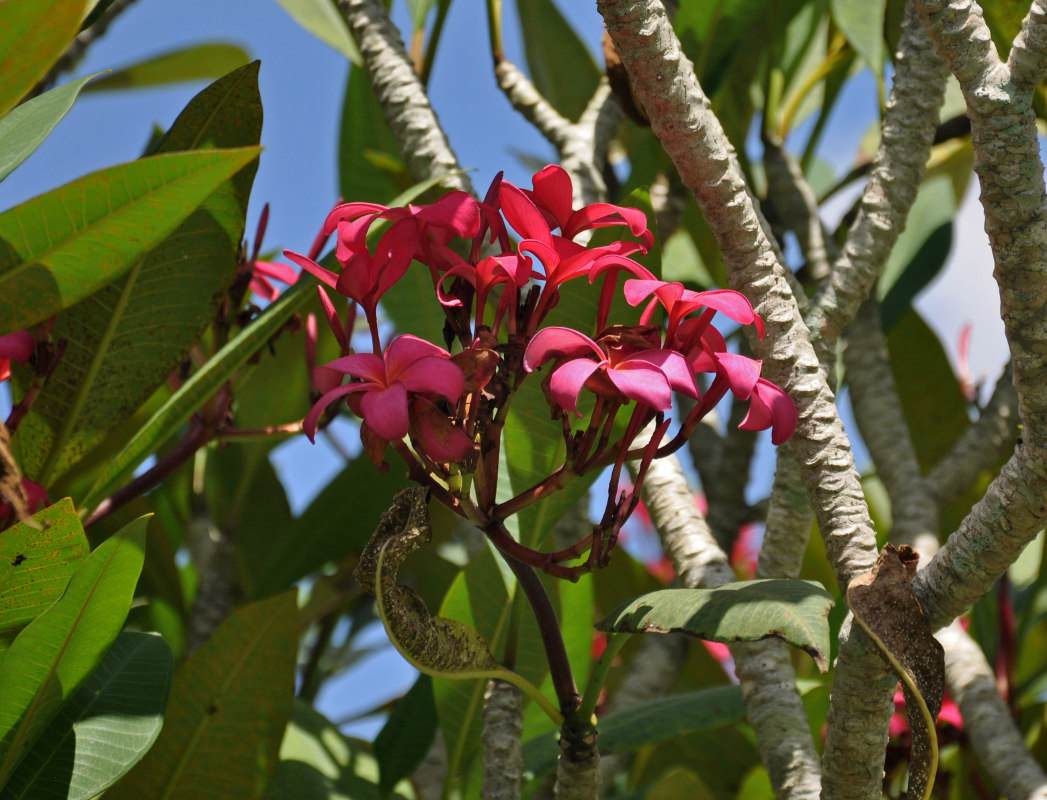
<point>478,599</point>
<point>33,34</point>
<point>654,721</point>
<point>35,565</point>
<point>932,400</point>
<point>126,338</point>
<point>322,20</point>
<point>338,522</point>
<point>53,656</point>
<point>58,248</point>
<point>202,385</point>
<point>197,62</point>
<point>920,252</point>
<point>554,51</point>
<point>1004,18</point>
<point>862,23</point>
<point>407,735</point>
<point>747,611</point>
<point>229,704</point>
<point>24,128</point>
<point>104,729</point>
<point>319,763</point>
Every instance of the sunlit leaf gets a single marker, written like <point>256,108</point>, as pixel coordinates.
<point>25,127</point>
<point>746,611</point>
<point>407,735</point>
<point>322,20</point>
<point>553,51</point>
<point>58,248</point>
<point>229,704</point>
<point>319,763</point>
<point>35,565</point>
<point>104,729</point>
<point>130,335</point>
<point>53,656</point>
<point>33,34</point>
<point>199,62</point>
<point>862,23</point>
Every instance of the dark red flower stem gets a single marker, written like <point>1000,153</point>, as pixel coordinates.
<point>552,640</point>
<point>200,433</point>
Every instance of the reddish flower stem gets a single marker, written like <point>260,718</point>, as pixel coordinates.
<point>549,627</point>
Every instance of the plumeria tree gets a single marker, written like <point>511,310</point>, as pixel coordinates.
<point>519,370</point>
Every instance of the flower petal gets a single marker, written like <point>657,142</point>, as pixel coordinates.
<point>566,382</point>
<point>522,214</point>
<point>770,407</point>
<point>312,419</point>
<point>407,348</point>
<point>458,212</point>
<point>385,411</point>
<point>673,366</point>
<point>439,438</point>
<point>310,266</point>
<point>434,375</point>
<point>556,341</point>
<point>553,190</point>
<point>643,382</point>
<point>742,373</point>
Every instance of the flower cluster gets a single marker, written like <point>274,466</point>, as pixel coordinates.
<point>443,409</point>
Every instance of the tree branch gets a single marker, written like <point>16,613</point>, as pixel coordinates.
<point>1006,148</point>
<point>908,130</point>
<point>990,727</point>
<point>400,93</point>
<point>1028,57</point>
<point>664,82</point>
<point>983,445</point>
<point>502,730</point>
<point>881,421</point>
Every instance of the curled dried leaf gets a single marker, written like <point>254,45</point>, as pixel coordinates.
<point>444,648</point>
<point>886,607</point>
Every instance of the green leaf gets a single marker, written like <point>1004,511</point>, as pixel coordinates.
<point>199,62</point>
<point>35,565</point>
<point>58,248</point>
<point>130,335</point>
<point>228,708</point>
<point>654,721</point>
<point>322,20</point>
<point>862,23</point>
<point>479,600</point>
<point>53,656</point>
<point>407,735</point>
<point>338,522</point>
<point>1004,18</point>
<point>24,127</point>
<point>932,400</point>
<point>554,51</point>
<point>319,763</point>
<point>104,729</point>
<point>33,34</point>
<point>746,611</point>
<point>202,385</point>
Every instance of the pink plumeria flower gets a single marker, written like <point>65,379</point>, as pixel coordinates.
<point>645,375</point>
<point>263,271</point>
<point>391,394</point>
<point>511,270</point>
<point>679,302</point>
<point>17,346</point>
<point>537,213</point>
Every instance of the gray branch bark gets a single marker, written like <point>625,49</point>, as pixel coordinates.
<point>414,124</point>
